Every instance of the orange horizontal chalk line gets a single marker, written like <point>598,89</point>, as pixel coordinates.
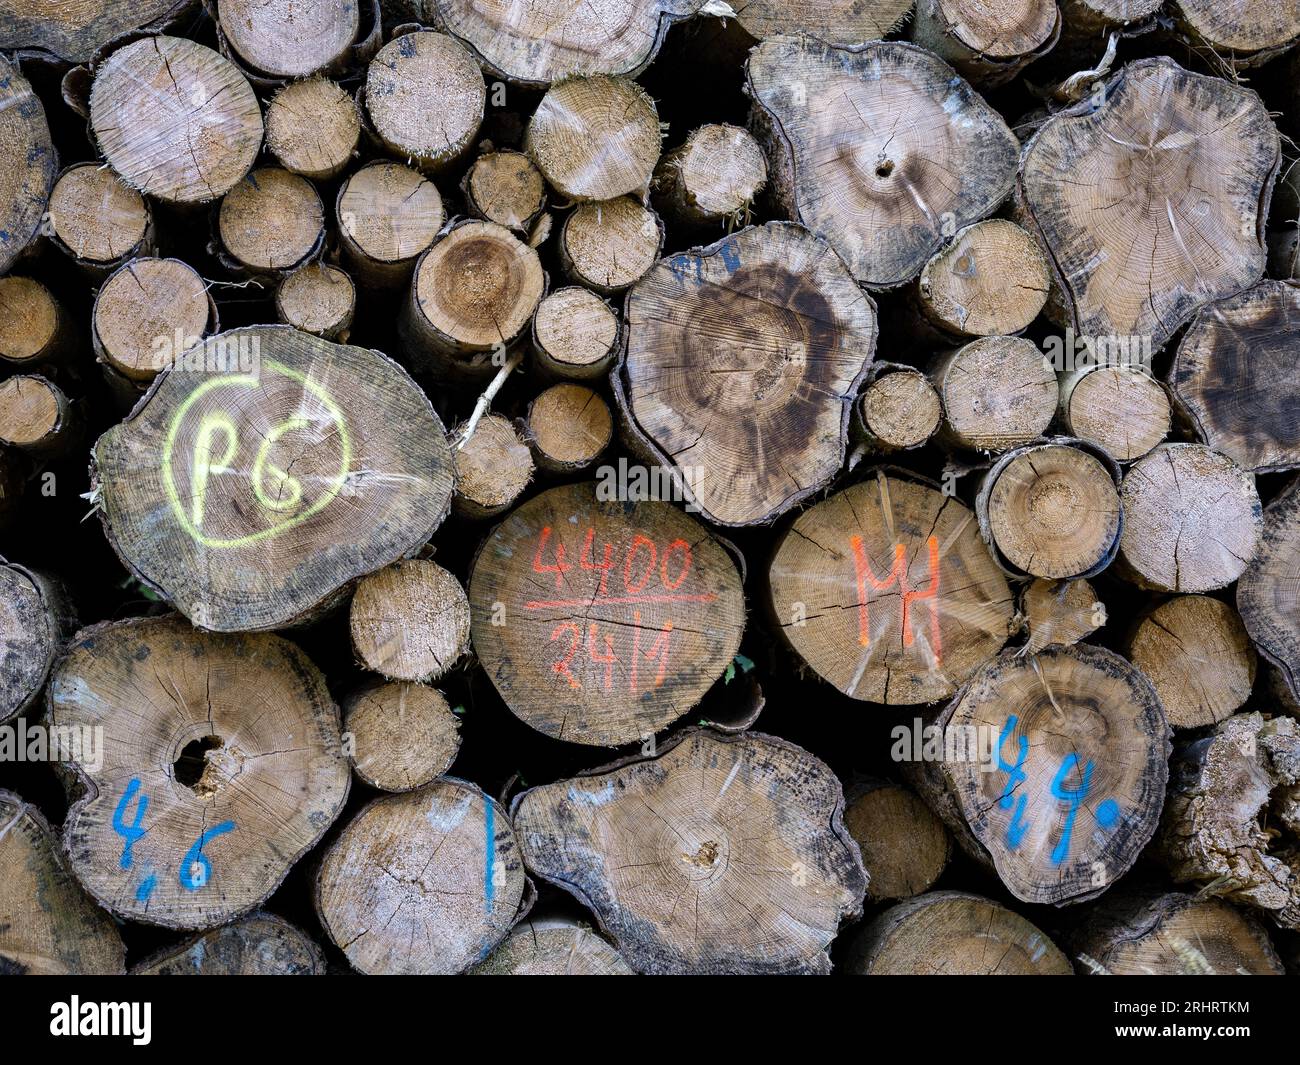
<point>550,604</point>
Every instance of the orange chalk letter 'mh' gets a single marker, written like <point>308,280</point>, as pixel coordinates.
<point>867,582</point>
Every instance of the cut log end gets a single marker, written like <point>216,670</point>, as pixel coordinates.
<point>318,299</point>
<point>312,128</point>
<point>997,393</point>
<point>1059,612</point>
<point>32,324</point>
<point>712,178</point>
<point>284,40</point>
<point>388,214</point>
<point>36,416</point>
<point>905,848</point>
<point>575,334</point>
<point>34,615</point>
<point>569,427</point>
<point>506,188</point>
<point>271,221</point>
<point>493,467</point>
<point>1122,410</point>
<point>899,410</point>
<point>410,621</point>
<point>553,947</point>
<point>148,315</point>
<point>403,735</point>
<point>610,245</point>
<point>260,945</point>
<point>97,218</point>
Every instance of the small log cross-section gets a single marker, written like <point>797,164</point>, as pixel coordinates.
<point>289,38</point>
<point>608,245</point>
<point>312,128</point>
<point>952,933</point>
<point>35,615</point>
<point>97,219</point>
<point>887,591</point>
<point>575,334</point>
<point>545,40</point>
<point>601,622</point>
<point>1121,409</point>
<point>1268,594</point>
<point>904,846</point>
<point>1246,32</point>
<point>742,362</point>
<point>744,833</point>
<point>493,467</point>
<point>34,327</point>
<point>989,43</point>
<point>553,946</point>
<point>1165,208</point>
<point>900,409</point>
<point>260,945</point>
<point>388,214</point>
<point>219,763</point>
<point>998,392</point>
<point>271,221</point>
<point>410,621</point>
<point>425,96</point>
<point>711,178</point>
<point>425,883</point>
<point>318,299</point>
<point>1173,935</point>
<point>48,924</point>
<point>1232,823</point>
<point>879,148</point>
<point>1192,520</point>
<point>1062,612</point>
<point>249,498</point>
<point>1198,657</point>
<point>1236,376</point>
<point>1073,788</point>
<point>505,188</point>
<point>175,120</point>
<point>27,164</point>
<point>402,735</point>
<point>595,138</point>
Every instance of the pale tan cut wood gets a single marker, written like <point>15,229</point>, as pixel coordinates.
<point>33,325</point>
<point>987,41</point>
<point>473,293</point>
<point>594,138</point>
<point>997,393</point>
<point>148,315</point>
<point>506,188</point>
<point>388,214</point>
<point>36,415</point>
<point>542,41</point>
<point>842,21</point>
<point>553,946</point>
<point>1199,659</point>
<point>952,933</point>
<point>1077,779</point>
<point>1165,211</point>
<point>904,846</point>
<point>422,883</point>
<point>569,427</point>
<point>1173,935</point>
<point>319,299</point>
<point>251,499</point>
<point>97,219</point>
<point>1122,410</point>
<point>221,765</point>
<point>410,621</point>
<point>48,925</point>
<point>603,621</point>
<point>1268,593</point>
<point>711,178</point>
<point>402,735</point>
<point>1059,612</point>
<point>260,945</point>
<point>1246,32</point>
<point>76,31</point>
<point>991,280</point>
<point>271,221</point>
<point>1236,378</point>
<point>1232,823</point>
<point>425,96</point>
<point>312,128</point>
<point>1192,519</point>
<point>35,617</point>
<point>493,467</point>
<point>888,593</point>
<point>27,164</point>
<point>1092,18</point>
<point>878,148</point>
<point>899,409</point>
<point>742,363</point>
<point>610,245</point>
<point>575,334</point>
<point>175,120</point>
<point>289,38</point>
<point>1051,510</point>
<point>747,830</point>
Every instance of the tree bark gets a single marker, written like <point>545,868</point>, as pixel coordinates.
<point>607,628</point>
<point>750,825</point>
<point>197,820</point>
<point>1267,590</point>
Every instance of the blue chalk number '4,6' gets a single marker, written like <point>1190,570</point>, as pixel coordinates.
<point>195,869</point>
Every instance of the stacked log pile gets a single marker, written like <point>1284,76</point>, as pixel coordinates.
<point>647,487</point>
